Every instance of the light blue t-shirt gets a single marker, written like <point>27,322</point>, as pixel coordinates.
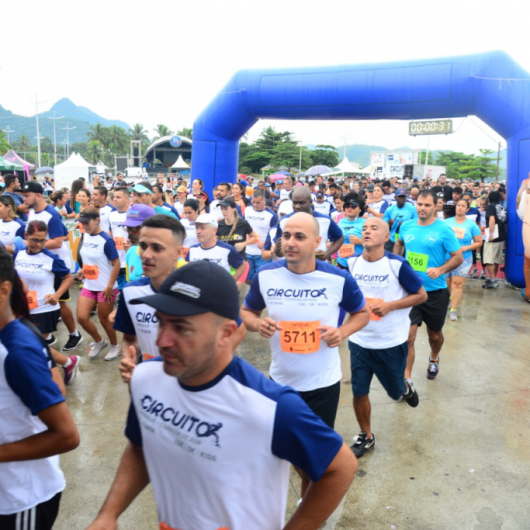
<point>471,230</point>
<point>351,228</point>
<point>399,216</point>
<point>133,264</point>
<point>428,246</point>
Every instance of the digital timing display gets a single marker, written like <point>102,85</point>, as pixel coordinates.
<point>430,127</point>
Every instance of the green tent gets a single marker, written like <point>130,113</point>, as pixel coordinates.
<point>6,165</point>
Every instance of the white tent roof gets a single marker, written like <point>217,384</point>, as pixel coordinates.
<point>180,164</point>
<point>348,167</point>
<point>101,165</point>
<point>73,168</point>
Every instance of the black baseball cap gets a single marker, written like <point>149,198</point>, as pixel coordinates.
<point>32,186</point>
<point>197,288</point>
<point>227,202</point>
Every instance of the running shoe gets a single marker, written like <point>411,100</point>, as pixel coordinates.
<point>492,285</point>
<point>96,348</point>
<point>453,315</point>
<point>411,396</point>
<point>73,342</point>
<point>71,371</point>
<point>487,282</point>
<point>114,353</point>
<point>433,369</point>
<point>362,444</point>
<point>51,341</point>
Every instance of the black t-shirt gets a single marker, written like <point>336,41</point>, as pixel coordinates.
<point>446,192</point>
<point>238,235</point>
<point>499,213</point>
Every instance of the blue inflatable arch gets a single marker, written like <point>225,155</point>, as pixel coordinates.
<point>435,88</point>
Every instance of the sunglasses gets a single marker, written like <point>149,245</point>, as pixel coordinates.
<point>351,205</point>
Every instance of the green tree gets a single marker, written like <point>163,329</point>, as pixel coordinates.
<point>94,151</point>
<point>480,167</point>
<point>325,155</point>
<point>454,163</point>
<point>118,140</point>
<point>22,144</point>
<point>98,133</point>
<point>162,130</point>
<point>188,133</point>
<point>138,133</point>
<point>46,145</point>
<point>77,147</point>
<point>4,145</point>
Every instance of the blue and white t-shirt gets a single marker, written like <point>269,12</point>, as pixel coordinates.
<point>119,233</point>
<point>389,279</point>
<point>39,272</point>
<point>104,217</point>
<point>399,216</point>
<point>138,320</point>
<point>172,209</point>
<point>378,207</point>
<point>11,229</point>
<point>221,253</point>
<point>433,242</point>
<point>261,223</point>
<point>56,228</point>
<point>191,233</point>
<point>221,436</point>
<point>315,296</point>
<point>97,253</point>
<point>324,208</point>
<point>329,230</point>
<point>465,232</point>
<point>26,388</point>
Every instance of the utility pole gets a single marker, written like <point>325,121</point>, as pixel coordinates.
<point>54,136</point>
<point>498,160</point>
<point>68,129</point>
<point>345,137</point>
<point>8,131</point>
<point>37,121</point>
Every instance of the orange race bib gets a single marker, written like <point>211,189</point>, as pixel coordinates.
<point>91,272</point>
<point>185,251</point>
<point>346,251</point>
<point>119,242</point>
<point>300,337</point>
<point>32,299</point>
<point>370,301</point>
<point>460,232</point>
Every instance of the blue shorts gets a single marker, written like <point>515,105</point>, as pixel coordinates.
<point>255,263</point>
<point>122,279</point>
<point>387,364</point>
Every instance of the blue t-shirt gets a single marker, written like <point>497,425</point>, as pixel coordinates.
<point>430,245</point>
<point>351,228</point>
<point>468,229</point>
<point>18,201</point>
<point>399,216</point>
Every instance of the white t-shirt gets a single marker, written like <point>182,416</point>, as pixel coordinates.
<point>322,207</point>
<point>215,209</point>
<point>391,278</point>
<point>191,233</point>
<point>180,209</point>
<point>38,272</point>
<point>261,223</point>
<point>316,296</point>
<point>11,229</point>
<point>232,439</point>
<point>104,213</point>
<point>26,388</point>
<point>138,320</point>
<point>56,228</point>
<point>222,254</point>
<point>284,194</point>
<point>97,252</point>
<point>119,233</point>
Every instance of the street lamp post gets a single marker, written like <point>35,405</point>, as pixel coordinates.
<point>8,131</point>
<point>68,129</point>
<point>54,136</point>
<point>37,121</point>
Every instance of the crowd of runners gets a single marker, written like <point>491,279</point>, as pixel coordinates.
<point>176,278</point>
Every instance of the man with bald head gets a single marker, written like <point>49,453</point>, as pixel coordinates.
<point>329,230</point>
<point>391,287</point>
<point>303,297</point>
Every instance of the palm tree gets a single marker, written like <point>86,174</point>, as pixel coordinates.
<point>162,130</point>
<point>138,133</point>
<point>23,143</point>
<point>98,133</point>
<point>118,140</point>
<point>94,151</point>
<point>188,133</point>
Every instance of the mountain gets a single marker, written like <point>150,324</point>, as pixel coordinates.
<point>74,116</point>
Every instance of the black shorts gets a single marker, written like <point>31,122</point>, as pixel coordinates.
<point>66,296</point>
<point>40,517</point>
<point>47,322</point>
<point>433,311</point>
<point>324,402</point>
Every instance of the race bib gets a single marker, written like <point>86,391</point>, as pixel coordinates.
<point>418,261</point>
<point>460,232</point>
<point>91,272</point>
<point>346,251</point>
<point>300,337</point>
<point>119,242</point>
<point>32,300</point>
<point>371,301</point>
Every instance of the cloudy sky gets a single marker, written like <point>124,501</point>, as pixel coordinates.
<point>160,61</point>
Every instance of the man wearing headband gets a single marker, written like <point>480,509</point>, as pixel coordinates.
<point>203,414</point>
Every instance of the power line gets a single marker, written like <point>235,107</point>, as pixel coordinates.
<point>485,132</point>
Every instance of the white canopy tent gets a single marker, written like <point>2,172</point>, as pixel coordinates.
<point>180,164</point>
<point>74,168</point>
<point>345,167</point>
<point>100,168</point>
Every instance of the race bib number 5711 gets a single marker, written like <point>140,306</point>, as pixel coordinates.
<point>300,337</point>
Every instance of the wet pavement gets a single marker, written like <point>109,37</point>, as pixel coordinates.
<point>461,460</point>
